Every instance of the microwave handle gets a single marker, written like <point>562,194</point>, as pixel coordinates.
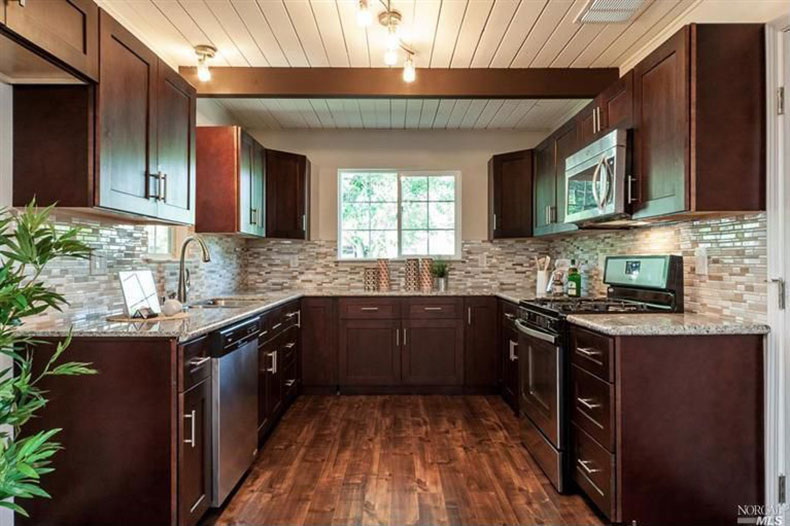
<point>596,176</point>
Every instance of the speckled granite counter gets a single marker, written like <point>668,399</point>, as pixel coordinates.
<point>657,324</point>
<point>204,320</point>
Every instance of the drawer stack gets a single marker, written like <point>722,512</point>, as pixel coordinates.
<point>593,417</point>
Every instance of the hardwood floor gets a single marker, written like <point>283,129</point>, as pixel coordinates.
<point>398,460</point>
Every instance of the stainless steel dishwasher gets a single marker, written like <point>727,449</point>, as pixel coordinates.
<point>234,393</point>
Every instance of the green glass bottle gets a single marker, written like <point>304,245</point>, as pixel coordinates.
<point>574,281</point>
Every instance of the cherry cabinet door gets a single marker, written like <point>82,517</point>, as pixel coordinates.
<point>433,352</point>
<point>176,146</point>
<point>67,29</point>
<point>194,453</point>
<point>510,195</point>
<point>369,353</point>
<point>287,195</point>
<point>127,177</point>
<point>481,368</point>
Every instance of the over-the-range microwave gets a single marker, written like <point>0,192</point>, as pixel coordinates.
<point>597,180</point>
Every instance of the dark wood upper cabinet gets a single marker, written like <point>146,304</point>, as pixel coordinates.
<point>229,182</point>
<point>481,364</point>
<point>176,145</point>
<point>549,182</point>
<point>699,119</point>
<point>567,142</point>
<point>613,108</point>
<point>510,195</point>
<point>68,30</point>
<point>194,453</point>
<point>287,195</point>
<point>127,116</point>
<point>125,145</point>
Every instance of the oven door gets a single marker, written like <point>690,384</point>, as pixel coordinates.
<point>540,380</point>
<point>595,180</point>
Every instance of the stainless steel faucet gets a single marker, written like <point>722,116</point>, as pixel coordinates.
<point>183,274</point>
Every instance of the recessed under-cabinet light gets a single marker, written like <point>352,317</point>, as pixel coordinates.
<point>609,11</point>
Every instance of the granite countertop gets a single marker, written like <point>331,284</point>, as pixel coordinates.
<point>204,320</point>
<point>659,324</point>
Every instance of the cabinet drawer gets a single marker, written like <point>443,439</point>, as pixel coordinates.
<point>369,308</point>
<point>592,406</point>
<point>593,469</point>
<point>593,352</point>
<point>290,381</point>
<point>194,363</point>
<point>288,343</point>
<point>433,308</point>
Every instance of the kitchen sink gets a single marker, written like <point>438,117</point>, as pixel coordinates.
<point>223,303</point>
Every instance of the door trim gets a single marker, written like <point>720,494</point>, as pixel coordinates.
<point>777,383</point>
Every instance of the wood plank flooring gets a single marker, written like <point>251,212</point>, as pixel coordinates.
<point>398,460</point>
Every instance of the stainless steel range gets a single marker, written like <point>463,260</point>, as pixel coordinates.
<point>636,284</point>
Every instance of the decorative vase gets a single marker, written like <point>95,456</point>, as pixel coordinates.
<point>384,275</point>
<point>412,274</point>
<point>426,278</point>
<point>440,284</point>
<point>370,279</point>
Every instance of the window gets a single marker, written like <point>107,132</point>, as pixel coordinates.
<point>389,214</point>
<point>161,241</point>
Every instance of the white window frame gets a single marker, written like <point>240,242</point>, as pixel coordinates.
<point>400,174</point>
<point>177,235</point>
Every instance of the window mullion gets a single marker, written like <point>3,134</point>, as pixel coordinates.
<point>400,218</point>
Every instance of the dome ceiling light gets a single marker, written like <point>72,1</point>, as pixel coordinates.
<point>391,20</point>
<point>204,53</point>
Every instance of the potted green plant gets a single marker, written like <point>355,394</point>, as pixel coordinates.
<point>28,241</point>
<point>440,271</point>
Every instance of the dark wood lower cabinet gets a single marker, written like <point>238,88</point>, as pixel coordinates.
<point>433,352</point>
<point>319,344</point>
<point>675,434</point>
<point>481,366</point>
<point>194,453</point>
<point>369,353</point>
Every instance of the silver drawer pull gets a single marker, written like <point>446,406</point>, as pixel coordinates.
<point>194,363</point>
<point>588,351</point>
<point>191,417</point>
<point>589,403</point>
<point>585,467</point>
<point>292,314</point>
<point>512,351</point>
<point>290,345</point>
<point>369,309</point>
<point>277,326</point>
<point>273,368</point>
<point>290,383</point>
<point>432,308</point>
<point>509,316</point>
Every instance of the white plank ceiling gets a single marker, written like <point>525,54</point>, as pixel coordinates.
<point>451,114</point>
<point>445,33</point>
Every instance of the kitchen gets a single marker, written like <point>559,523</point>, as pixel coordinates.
<point>535,279</point>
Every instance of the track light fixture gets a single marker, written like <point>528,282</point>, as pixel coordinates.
<point>390,19</point>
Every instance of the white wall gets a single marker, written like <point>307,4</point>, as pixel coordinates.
<point>465,151</point>
<point>6,517</point>
<point>5,144</point>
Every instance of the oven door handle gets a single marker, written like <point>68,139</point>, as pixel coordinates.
<point>535,334</point>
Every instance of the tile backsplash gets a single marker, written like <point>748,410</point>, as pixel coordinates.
<point>733,288</point>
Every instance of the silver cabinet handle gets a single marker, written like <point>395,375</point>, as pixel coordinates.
<point>277,326</point>
<point>196,363</point>
<point>594,124</point>
<point>273,368</point>
<point>630,182</point>
<point>253,216</point>
<point>163,186</point>
<point>289,383</point>
<point>292,314</point>
<point>404,337</point>
<point>469,315</point>
<point>513,356</point>
<point>510,316</point>
<point>290,345</point>
<point>585,467</point>
<point>495,221</point>
<point>588,351</point>
<point>197,503</point>
<point>432,308</point>
<point>369,309</point>
<point>191,417</point>
<point>304,222</point>
<point>589,403</point>
<point>397,337</point>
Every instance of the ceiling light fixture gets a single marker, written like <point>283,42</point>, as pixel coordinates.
<point>391,20</point>
<point>204,53</point>
<point>409,71</point>
<point>364,16</point>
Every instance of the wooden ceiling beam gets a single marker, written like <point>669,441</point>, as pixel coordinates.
<point>537,83</point>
